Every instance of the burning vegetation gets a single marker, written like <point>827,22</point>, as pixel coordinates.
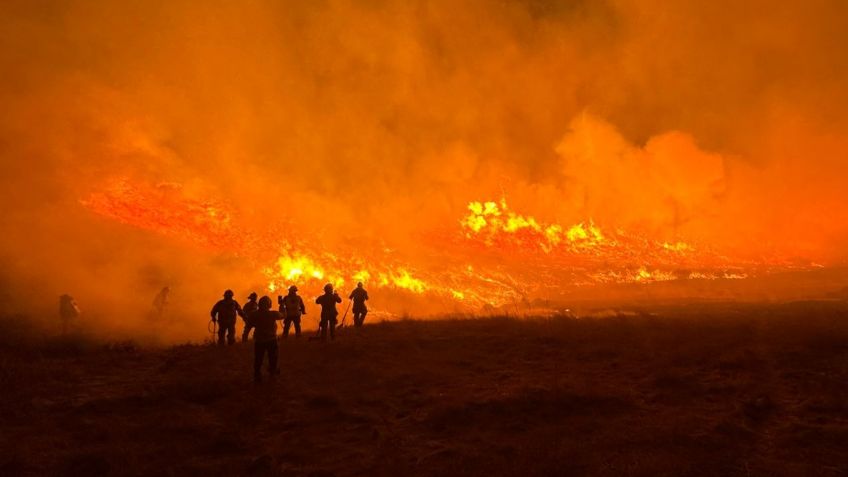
<point>492,257</point>
<point>455,158</point>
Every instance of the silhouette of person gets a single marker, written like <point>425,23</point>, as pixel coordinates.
<point>160,301</point>
<point>264,320</point>
<point>224,312</point>
<point>292,305</point>
<point>68,312</point>
<point>249,308</point>
<point>328,311</point>
<point>359,297</point>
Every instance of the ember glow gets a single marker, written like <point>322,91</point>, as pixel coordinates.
<point>473,158</point>
<point>166,210</point>
<point>490,220</point>
<point>493,257</point>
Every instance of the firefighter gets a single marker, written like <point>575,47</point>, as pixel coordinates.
<point>359,297</point>
<point>160,302</point>
<point>224,313</point>
<point>292,305</point>
<point>328,311</point>
<point>68,312</point>
<point>264,320</point>
<point>249,308</point>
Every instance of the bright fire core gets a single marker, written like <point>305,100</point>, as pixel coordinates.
<point>491,257</point>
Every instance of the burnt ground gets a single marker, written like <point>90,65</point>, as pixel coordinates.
<point>697,390</point>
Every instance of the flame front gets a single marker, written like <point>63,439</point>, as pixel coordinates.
<point>488,221</point>
<point>494,257</point>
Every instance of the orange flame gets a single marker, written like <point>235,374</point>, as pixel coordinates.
<point>495,257</point>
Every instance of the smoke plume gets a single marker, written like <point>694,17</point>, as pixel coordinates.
<point>374,123</point>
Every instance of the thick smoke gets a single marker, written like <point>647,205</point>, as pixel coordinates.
<point>718,122</point>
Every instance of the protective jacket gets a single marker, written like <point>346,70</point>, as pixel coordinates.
<point>359,297</point>
<point>225,311</point>
<point>328,305</point>
<point>265,324</point>
<point>250,308</point>
<point>293,305</point>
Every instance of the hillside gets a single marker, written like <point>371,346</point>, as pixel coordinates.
<point>699,390</point>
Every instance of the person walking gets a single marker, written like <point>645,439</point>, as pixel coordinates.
<point>68,312</point>
<point>293,307</point>
<point>328,311</point>
<point>224,313</point>
<point>249,308</point>
<point>264,321</point>
<point>359,297</point>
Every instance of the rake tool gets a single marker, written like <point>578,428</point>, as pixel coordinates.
<point>345,314</point>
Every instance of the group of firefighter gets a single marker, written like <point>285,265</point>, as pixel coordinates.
<point>262,320</point>
<point>258,317</point>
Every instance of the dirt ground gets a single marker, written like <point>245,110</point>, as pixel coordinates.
<point>698,390</point>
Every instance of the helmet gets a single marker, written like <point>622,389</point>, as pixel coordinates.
<point>228,294</point>
<point>359,285</point>
<point>292,288</point>
<point>328,287</point>
<point>252,296</point>
<point>265,303</point>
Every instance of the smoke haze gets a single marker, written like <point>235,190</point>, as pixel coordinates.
<point>374,122</point>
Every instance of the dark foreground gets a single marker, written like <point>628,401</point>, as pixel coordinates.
<point>718,390</point>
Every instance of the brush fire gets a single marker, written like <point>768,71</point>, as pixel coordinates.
<point>501,157</point>
<point>492,257</point>
<point>424,237</point>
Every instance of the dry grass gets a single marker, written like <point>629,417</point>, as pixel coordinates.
<point>697,390</point>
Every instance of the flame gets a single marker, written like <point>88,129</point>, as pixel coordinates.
<point>317,269</point>
<point>495,257</point>
<point>584,236</point>
<point>298,268</point>
<point>677,247</point>
<point>167,209</point>
<point>489,219</point>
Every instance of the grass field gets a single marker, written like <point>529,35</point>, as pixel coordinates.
<point>699,390</point>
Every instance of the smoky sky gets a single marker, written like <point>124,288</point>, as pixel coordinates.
<point>721,122</point>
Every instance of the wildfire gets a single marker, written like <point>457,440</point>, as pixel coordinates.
<point>495,257</point>
<point>488,220</point>
<point>317,269</point>
<point>497,227</point>
<point>677,247</point>
<point>299,268</point>
<point>168,210</point>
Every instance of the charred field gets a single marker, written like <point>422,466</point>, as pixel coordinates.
<point>700,390</point>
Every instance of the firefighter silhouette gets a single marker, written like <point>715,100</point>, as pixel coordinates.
<point>224,313</point>
<point>292,308</point>
<point>328,311</point>
<point>359,297</point>
<point>249,308</point>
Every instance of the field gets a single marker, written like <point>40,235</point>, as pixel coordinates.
<point>697,390</point>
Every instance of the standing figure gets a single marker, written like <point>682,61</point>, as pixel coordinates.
<point>328,311</point>
<point>359,297</point>
<point>292,305</point>
<point>264,320</point>
<point>249,308</point>
<point>68,312</point>
<point>159,303</point>
<point>224,313</point>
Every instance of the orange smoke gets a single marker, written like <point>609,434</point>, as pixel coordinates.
<point>452,156</point>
